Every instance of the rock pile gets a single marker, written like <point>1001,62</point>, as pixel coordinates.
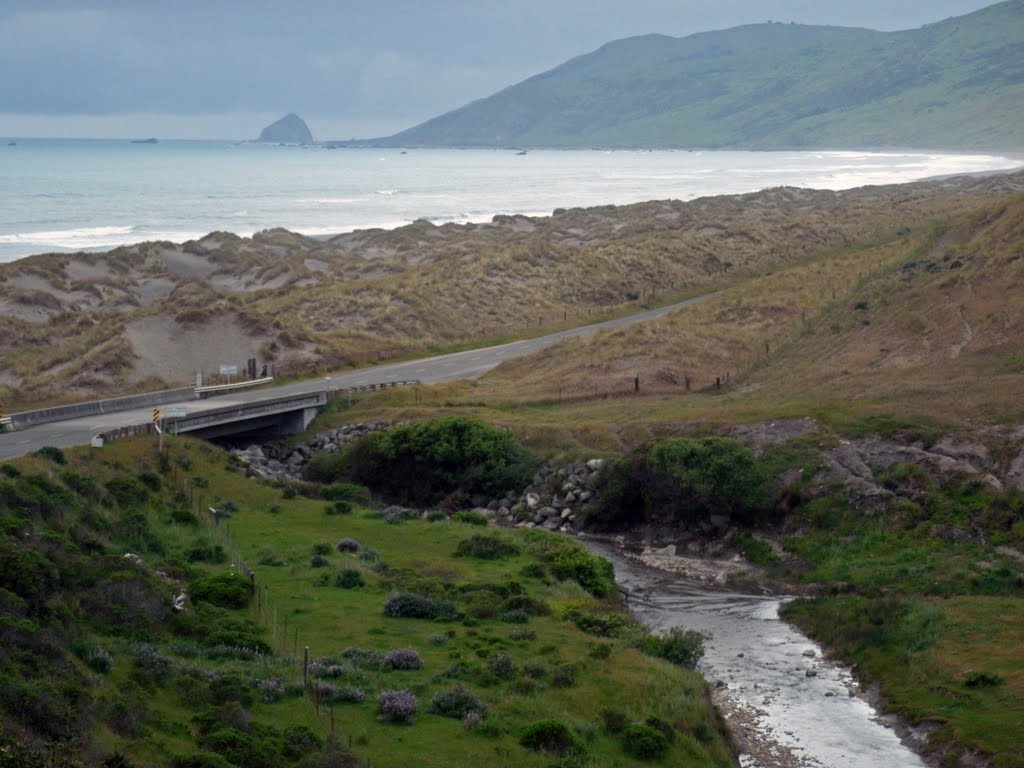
<point>280,461</point>
<point>552,501</point>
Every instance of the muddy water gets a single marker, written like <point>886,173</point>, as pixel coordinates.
<point>791,708</point>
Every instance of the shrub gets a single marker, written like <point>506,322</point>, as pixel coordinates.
<point>98,660</point>
<point>270,690</point>
<point>599,624</point>
<point>522,634</point>
<point>982,680</point>
<point>682,480</point>
<point>319,561</point>
<point>550,736</point>
<point>409,605</point>
<point>367,659</point>
<point>515,616</point>
<point>502,666</point>
<point>457,702</point>
<point>207,553</point>
<point>564,676</point>
<point>423,463</point>
<point>226,590</point>
<point>435,516</point>
<point>54,454</point>
<point>568,560</point>
<point>664,726</point>
<point>347,545</point>
<point>127,491</point>
<point>299,742</point>
<point>397,706</point>
<point>350,492</point>
<point>349,578</point>
<point>289,492</point>
<point>615,721</point>
<point>395,514</point>
<point>152,664</point>
<point>340,507</point>
<point>369,555</point>
<point>199,760</point>
<point>150,479</point>
<point>403,658</point>
<point>469,517</point>
<point>485,548</point>
<point>644,742</point>
<point>682,647</point>
<point>321,549</point>
<point>10,470</point>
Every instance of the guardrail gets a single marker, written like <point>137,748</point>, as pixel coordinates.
<point>6,425</point>
<point>215,388</point>
<point>97,407</point>
<point>333,393</point>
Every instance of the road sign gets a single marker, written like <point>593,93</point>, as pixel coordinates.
<point>175,411</point>
<point>228,370</point>
<point>156,415</point>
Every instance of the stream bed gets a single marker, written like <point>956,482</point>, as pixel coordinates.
<point>788,706</point>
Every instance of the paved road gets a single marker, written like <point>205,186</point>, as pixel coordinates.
<point>458,365</point>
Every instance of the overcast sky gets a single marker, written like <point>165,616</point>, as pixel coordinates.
<point>224,68</point>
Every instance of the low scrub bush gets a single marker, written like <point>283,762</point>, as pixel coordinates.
<point>484,547</point>
<point>347,545</point>
<point>568,560</point>
<point>598,624</point>
<point>551,736</point>
<point>226,590</point>
<point>397,707</point>
<point>409,605</point>
<point>469,517</point>
<point>457,702</point>
<point>644,742</point>
<point>502,667</point>
<point>682,647</point>
<point>403,658</point>
<point>349,578</point>
<point>340,507</point>
<point>54,454</point>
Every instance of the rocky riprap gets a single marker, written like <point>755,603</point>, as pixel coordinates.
<point>280,461</point>
<point>552,501</point>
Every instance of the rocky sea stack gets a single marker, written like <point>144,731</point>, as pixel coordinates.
<point>290,129</point>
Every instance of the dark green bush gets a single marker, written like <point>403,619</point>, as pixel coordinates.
<point>350,492</point>
<point>409,605</point>
<point>340,507</point>
<point>56,455</point>
<point>456,702</point>
<point>299,742</point>
<point>682,647</point>
<point>127,491</point>
<point>226,590</point>
<point>485,547</point>
<point>615,721</point>
<point>426,462</point>
<point>681,480</point>
<point>349,578</point>
<point>469,517</point>
<point>598,624</point>
<point>150,479</point>
<point>200,760</point>
<point>644,742</point>
<point>551,736</point>
<point>207,553</point>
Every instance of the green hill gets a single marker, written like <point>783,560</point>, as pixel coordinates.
<point>956,83</point>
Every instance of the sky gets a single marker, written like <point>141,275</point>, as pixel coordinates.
<point>350,68</point>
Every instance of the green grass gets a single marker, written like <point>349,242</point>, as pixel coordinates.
<point>573,676</point>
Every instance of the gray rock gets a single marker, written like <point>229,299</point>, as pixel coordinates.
<point>595,464</point>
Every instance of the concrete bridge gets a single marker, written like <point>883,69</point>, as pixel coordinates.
<point>288,415</point>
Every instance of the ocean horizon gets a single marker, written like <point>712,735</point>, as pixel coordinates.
<point>66,195</point>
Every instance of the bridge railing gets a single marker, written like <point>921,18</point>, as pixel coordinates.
<point>215,388</point>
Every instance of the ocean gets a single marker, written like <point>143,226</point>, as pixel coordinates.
<point>69,195</point>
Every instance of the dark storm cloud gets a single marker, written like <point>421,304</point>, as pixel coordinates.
<point>388,60</point>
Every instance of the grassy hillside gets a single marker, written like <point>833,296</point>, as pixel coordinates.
<point>100,668</point>
<point>955,83</point>
<point>86,325</point>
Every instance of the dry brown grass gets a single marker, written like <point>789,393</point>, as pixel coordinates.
<point>423,287</point>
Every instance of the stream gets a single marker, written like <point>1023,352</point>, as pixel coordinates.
<point>788,706</point>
